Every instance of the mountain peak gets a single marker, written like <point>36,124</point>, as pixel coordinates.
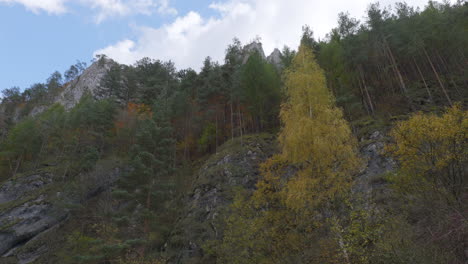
<point>275,59</point>
<point>249,49</point>
<point>89,81</point>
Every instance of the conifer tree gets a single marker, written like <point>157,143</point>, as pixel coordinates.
<point>260,90</point>
<point>148,184</point>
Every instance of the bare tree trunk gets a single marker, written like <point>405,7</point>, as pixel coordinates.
<point>39,154</point>
<point>438,78</point>
<point>366,91</point>
<point>240,122</point>
<point>398,73</point>
<point>174,162</point>
<point>444,65</point>
<point>363,98</point>
<point>186,133</point>
<point>216,131</point>
<point>10,165</point>
<point>232,120</point>
<point>18,163</point>
<point>424,80</point>
<point>148,205</point>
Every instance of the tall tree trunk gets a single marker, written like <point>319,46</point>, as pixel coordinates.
<point>148,206</point>
<point>366,91</point>
<point>240,121</point>
<point>36,164</point>
<point>216,131</point>
<point>424,80</point>
<point>438,78</point>
<point>232,120</point>
<point>363,97</point>
<point>446,68</point>
<point>398,73</point>
<point>174,148</point>
<point>10,165</point>
<point>18,163</point>
<point>185,136</point>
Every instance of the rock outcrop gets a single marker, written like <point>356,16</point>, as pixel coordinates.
<point>275,59</point>
<point>234,166</point>
<point>370,185</point>
<point>25,210</point>
<point>89,81</point>
<point>35,203</point>
<point>250,49</point>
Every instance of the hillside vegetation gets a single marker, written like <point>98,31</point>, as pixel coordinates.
<point>350,149</point>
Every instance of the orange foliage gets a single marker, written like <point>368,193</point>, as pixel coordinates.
<point>143,111</point>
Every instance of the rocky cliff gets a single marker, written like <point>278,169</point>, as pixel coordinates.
<point>33,204</point>
<point>234,166</point>
<point>89,81</point>
<point>275,59</point>
<point>250,49</point>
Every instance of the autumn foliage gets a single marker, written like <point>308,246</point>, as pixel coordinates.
<point>282,220</point>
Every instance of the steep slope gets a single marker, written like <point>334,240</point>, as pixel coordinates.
<point>32,204</point>
<point>89,81</point>
<point>234,166</point>
<point>71,93</point>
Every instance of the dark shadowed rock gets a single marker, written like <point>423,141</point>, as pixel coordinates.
<point>31,205</point>
<point>18,187</point>
<point>25,210</point>
<point>234,166</point>
<point>370,180</point>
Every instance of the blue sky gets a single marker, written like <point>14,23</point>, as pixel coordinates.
<point>38,37</point>
<point>33,45</point>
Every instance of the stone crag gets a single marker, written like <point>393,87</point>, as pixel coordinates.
<point>33,204</point>
<point>235,165</point>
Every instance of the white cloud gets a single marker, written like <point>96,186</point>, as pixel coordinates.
<point>120,8</point>
<point>104,8</point>
<point>190,38</point>
<point>165,8</point>
<point>49,6</point>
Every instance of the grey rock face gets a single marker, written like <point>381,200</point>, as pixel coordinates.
<point>89,81</point>
<point>29,257</point>
<point>17,188</point>
<point>213,192</point>
<point>275,59</point>
<point>27,220</point>
<point>377,164</point>
<point>28,210</point>
<point>250,49</point>
<point>31,216</point>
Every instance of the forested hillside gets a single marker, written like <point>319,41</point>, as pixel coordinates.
<point>397,61</point>
<point>348,149</point>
